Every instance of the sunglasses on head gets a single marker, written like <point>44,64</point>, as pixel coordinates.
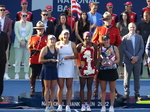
<point>24,15</point>
<point>2,9</point>
<point>45,14</point>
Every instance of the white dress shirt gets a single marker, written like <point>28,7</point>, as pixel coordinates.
<point>2,23</point>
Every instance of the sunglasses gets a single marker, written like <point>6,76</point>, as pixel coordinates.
<point>24,15</point>
<point>24,3</point>
<point>106,19</point>
<point>2,9</point>
<point>39,29</point>
<point>45,14</point>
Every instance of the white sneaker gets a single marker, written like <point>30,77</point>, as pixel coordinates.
<point>83,108</point>
<point>26,76</point>
<point>103,109</point>
<point>6,76</point>
<point>59,109</point>
<point>17,76</point>
<point>111,109</point>
<point>88,108</point>
<point>68,108</point>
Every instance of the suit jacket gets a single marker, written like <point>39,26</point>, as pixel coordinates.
<point>8,27</point>
<point>3,47</point>
<point>49,30</point>
<point>18,37</point>
<point>99,21</point>
<point>128,48</point>
<point>59,30</point>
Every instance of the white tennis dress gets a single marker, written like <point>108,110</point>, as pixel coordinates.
<point>66,67</point>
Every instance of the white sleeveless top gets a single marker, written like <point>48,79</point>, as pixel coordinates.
<point>66,67</point>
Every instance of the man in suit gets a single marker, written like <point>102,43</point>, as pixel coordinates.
<point>133,48</point>
<point>6,26</point>
<point>3,60</point>
<point>50,26</point>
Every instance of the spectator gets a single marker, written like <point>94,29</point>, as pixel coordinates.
<point>50,18</point>
<point>71,20</point>
<point>94,17</point>
<point>143,29</point>
<point>108,58</point>
<point>82,25</point>
<point>48,56</point>
<point>115,39</point>
<point>62,24</point>
<point>23,31</point>
<point>145,8</point>
<point>6,26</point>
<point>133,49</point>
<point>36,43</point>
<point>24,5</point>
<point>50,26</point>
<point>123,27</point>
<point>86,45</point>
<point>109,8</point>
<point>133,15</point>
<point>67,53</point>
<point>3,59</point>
<point>11,37</point>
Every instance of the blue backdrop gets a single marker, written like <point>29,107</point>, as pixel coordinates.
<point>35,6</point>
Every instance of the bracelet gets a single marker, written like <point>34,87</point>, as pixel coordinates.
<point>70,57</point>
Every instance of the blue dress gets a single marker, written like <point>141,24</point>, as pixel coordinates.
<point>49,69</point>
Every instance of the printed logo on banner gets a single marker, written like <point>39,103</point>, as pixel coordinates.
<point>40,4</point>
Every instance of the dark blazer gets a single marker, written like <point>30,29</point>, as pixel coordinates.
<point>49,29</point>
<point>8,27</point>
<point>3,47</point>
<point>128,48</point>
<point>59,30</point>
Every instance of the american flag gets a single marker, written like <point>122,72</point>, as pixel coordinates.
<point>75,7</point>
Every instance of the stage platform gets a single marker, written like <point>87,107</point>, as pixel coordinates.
<point>19,90</point>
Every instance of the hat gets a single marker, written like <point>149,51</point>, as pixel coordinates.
<point>105,37</point>
<point>109,4</point>
<point>128,4</point>
<point>65,31</point>
<point>90,3</point>
<point>106,15</point>
<point>24,1</point>
<point>40,25</point>
<point>51,36</point>
<point>48,7</point>
<point>7,12</point>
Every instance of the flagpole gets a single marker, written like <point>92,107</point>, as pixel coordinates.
<point>71,15</point>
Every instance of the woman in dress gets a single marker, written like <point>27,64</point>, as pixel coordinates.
<point>67,53</point>
<point>108,56</point>
<point>86,46</point>
<point>82,25</point>
<point>123,27</point>
<point>48,56</point>
<point>62,24</point>
<point>23,31</point>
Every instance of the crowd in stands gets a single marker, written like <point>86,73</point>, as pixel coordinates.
<point>93,47</point>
